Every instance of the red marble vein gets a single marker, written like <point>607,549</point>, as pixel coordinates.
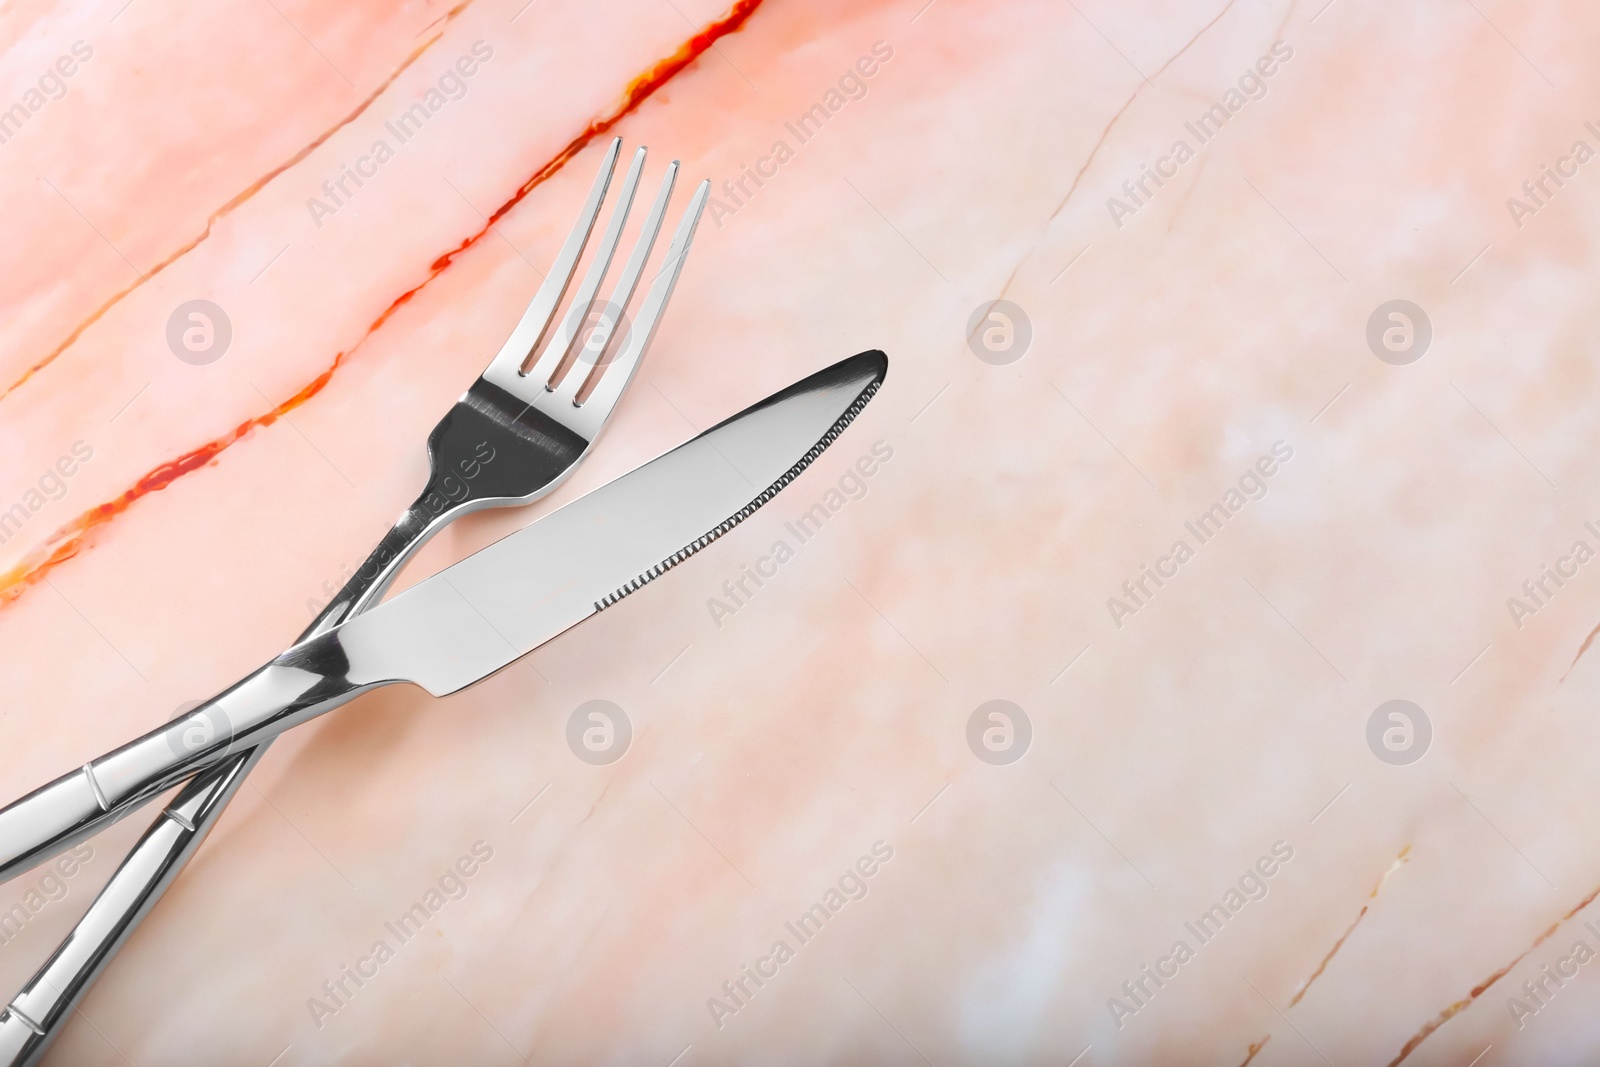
<point>1400,861</point>
<point>1483,987</point>
<point>1183,202</point>
<point>1076,178</point>
<point>232,205</point>
<point>1004,289</point>
<point>71,538</point>
<point>1587,641</point>
<point>1255,1048</point>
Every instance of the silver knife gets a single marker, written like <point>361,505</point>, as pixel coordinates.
<point>473,618</point>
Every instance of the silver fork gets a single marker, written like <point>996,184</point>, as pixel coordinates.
<point>515,435</point>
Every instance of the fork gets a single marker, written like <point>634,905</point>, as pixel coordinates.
<point>515,435</point>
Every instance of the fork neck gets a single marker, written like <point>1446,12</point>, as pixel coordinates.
<point>416,525</point>
<point>490,450</point>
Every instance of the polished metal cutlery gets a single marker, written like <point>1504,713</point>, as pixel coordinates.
<point>510,438</point>
<point>513,437</point>
<point>479,615</point>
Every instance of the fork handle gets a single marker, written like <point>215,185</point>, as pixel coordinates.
<point>302,683</point>
<point>79,805</point>
<point>443,499</point>
<point>31,1021</point>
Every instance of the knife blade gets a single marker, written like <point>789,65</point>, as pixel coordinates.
<point>477,616</point>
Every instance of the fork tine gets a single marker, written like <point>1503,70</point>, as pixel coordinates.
<point>622,295</point>
<point>535,321</point>
<point>597,407</point>
<point>555,355</point>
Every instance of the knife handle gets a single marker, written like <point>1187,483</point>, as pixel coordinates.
<point>284,693</point>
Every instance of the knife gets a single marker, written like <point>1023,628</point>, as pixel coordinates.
<point>479,615</point>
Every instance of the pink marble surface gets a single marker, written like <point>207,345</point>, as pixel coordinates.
<point>1196,743</point>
